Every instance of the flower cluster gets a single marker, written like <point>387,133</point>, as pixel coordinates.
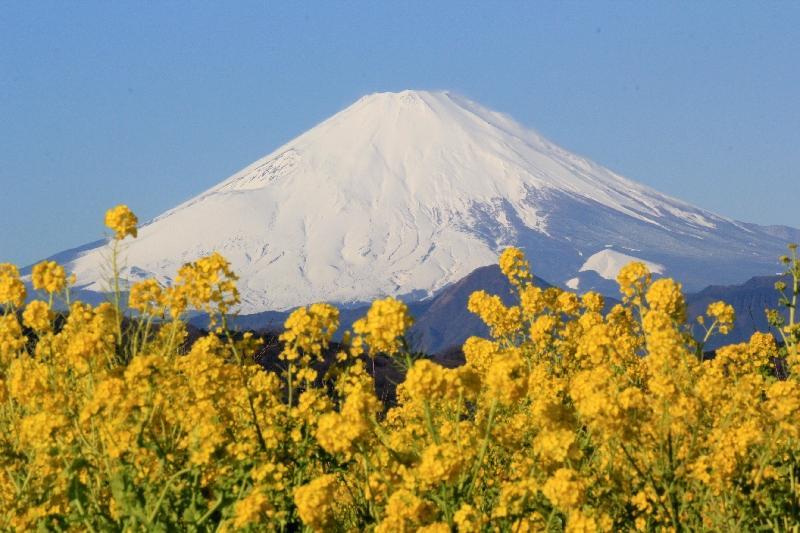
<point>122,222</point>
<point>38,316</point>
<point>12,289</point>
<point>308,331</point>
<point>384,326</point>
<point>515,267</point>
<point>207,284</point>
<point>49,276</point>
<point>147,297</point>
<point>570,417</point>
<point>723,314</point>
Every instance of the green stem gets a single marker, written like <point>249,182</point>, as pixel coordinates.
<point>211,511</point>
<point>117,298</point>
<point>167,485</point>
<point>484,447</point>
<point>289,379</point>
<point>429,421</point>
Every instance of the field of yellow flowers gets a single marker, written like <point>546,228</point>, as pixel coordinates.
<point>567,418</point>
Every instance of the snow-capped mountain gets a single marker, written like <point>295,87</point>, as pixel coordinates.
<point>403,193</point>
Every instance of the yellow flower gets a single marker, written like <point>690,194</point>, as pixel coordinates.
<point>568,303</point>
<point>507,379</point>
<point>554,446</point>
<point>580,522</point>
<point>762,346</point>
<point>147,297</point>
<point>665,295</point>
<point>315,502</point>
<point>384,326</point>
<point>89,334</point>
<point>468,519</point>
<point>784,403</point>
<point>428,380</point>
<point>11,338</point>
<point>440,463</point>
<point>176,301</point>
<point>38,316</point>
<point>573,419</point>
<point>633,280</point>
<point>724,314</point>
<point>532,300</point>
<point>515,267</point>
<point>49,276</point>
<point>121,221</point>
<point>12,290</point>
<point>404,511</point>
<point>309,330</point>
<point>250,509</point>
<point>436,527</point>
<point>207,284</point>
<point>479,353</point>
<point>593,302</point>
<point>515,497</point>
<point>542,330</point>
<point>564,489</point>
<point>502,321</point>
<point>339,432</point>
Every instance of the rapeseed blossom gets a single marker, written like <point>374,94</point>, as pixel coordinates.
<point>723,314</point>
<point>384,326</point>
<point>568,417</point>
<point>49,276</point>
<point>38,316</point>
<point>12,289</point>
<point>147,297</point>
<point>515,267</point>
<point>121,221</point>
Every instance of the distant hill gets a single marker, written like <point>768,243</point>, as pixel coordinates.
<point>446,324</point>
<point>443,323</point>
<point>750,299</point>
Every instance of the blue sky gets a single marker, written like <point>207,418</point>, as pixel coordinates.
<point>150,103</point>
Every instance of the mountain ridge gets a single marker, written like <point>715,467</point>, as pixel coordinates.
<point>442,323</point>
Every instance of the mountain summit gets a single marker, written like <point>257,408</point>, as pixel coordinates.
<point>403,193</point>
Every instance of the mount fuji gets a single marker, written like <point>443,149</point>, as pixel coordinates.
<point>404,193</point>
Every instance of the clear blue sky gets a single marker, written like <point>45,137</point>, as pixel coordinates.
<point>149,103</point>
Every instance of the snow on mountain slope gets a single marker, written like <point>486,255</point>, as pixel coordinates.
<point>607,263</point>
<point>404,193</point>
